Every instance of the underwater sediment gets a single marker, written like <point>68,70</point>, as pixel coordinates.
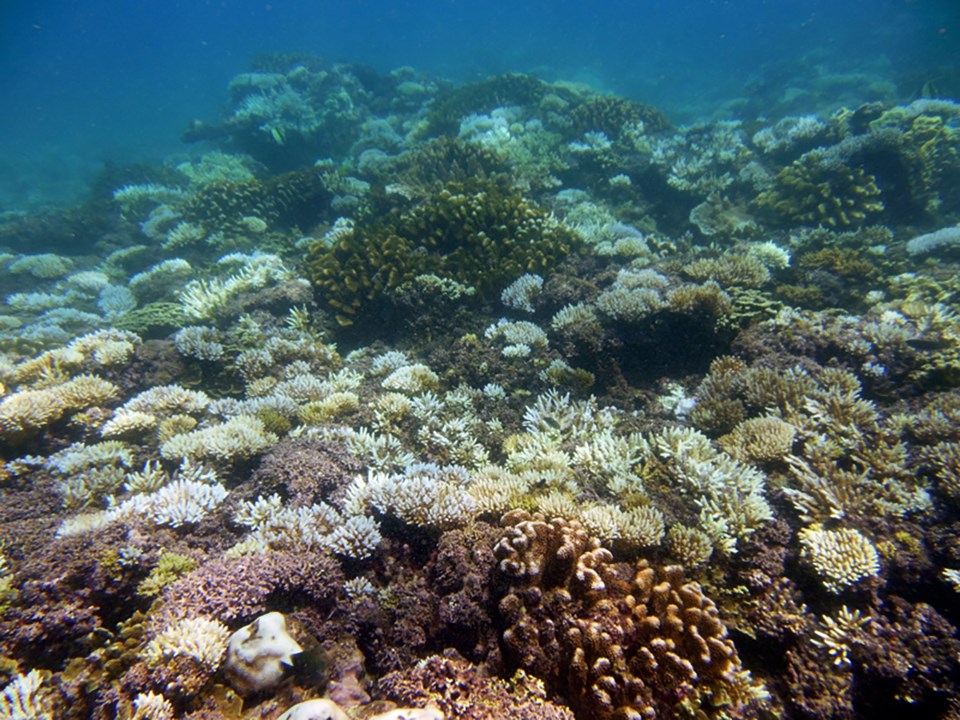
<point>506,399</point>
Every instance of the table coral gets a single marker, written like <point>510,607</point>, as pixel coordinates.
<point>616,641</point>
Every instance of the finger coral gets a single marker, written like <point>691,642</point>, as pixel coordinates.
<point>616,641</point>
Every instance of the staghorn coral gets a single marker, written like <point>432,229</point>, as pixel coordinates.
<point>616,641</point>
<point>239,589</point>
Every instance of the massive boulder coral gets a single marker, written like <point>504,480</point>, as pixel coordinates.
<point>618,641</point>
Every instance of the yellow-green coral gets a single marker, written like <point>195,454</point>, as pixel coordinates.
<point>811,192</point>
<point>170,566</point>
<point>611,115</point>
<point>479,233</point>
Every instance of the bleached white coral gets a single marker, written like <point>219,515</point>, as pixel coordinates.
<point>128,423</point>
<point>379,450</point>
<point>85,523</point>
<point>580,318</point>
<point>150,479</point>
<point>841,557</point>
<point>356,537</point>
<point>389,361</point>
<point>160,279</point>
<point>788,132</point>
<point>952,576</point>
<point>106,347</point>
<point>521,293</point>
<point>152,706</point>
<point>630,304</point>
<point>238,437</point>
<point>279,527</point>
<point>730,494</point>
<point>207,298</point>
<point>204,299</point>
<point>497,490</point>
<point>27,411</point>
<point>167,400</point>
<point>78,457</point>
<point>131,196</point>
<point>929,242</point>
<point>520,337</point>
<point>36,301</point>
<point>184,501</point>
<point>115,300</point>
<point>561,417</point>
<point>412,379</point>
<point>203,639</point>
<point>45,266</point>
<point>200,342</point>
<point>359,587</point>
<point>425,494</point>
<point>837,634</point>
<point>611,460</point>
<point>771,255</point>
<point>641,526</point>
<point>24,699</point>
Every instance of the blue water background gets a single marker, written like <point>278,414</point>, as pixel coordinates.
<point>89,81</point>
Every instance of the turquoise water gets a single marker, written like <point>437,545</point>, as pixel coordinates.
<point>93,82</point>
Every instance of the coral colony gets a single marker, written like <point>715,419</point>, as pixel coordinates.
<point>513,399</point>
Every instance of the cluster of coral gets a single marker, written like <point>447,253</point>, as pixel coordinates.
<point>403,400</point>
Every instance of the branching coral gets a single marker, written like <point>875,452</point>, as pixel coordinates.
<point>816,191</point>
<point>200,638</point>
<point>842,558</point>
<point>237,438</point>
<point>477,233</point>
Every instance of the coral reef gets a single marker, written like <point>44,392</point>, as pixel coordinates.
<point>704,377</point>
